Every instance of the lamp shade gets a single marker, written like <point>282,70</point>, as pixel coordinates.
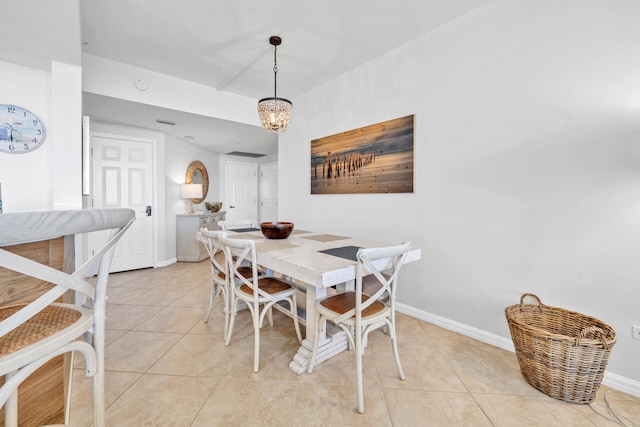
<point>191,191</point>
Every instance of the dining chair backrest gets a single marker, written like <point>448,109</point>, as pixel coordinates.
<point>239,252</point>
<point>220,280</point>
<point>210,240</point>
<point>232,224</point>
<point>64,282</point>
<point>381,265</point>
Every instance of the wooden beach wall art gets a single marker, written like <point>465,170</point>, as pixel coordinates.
<point>373,159</point>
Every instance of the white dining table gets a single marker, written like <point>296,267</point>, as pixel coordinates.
<point>300,258</point>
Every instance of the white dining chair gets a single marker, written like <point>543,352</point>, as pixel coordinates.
<point>357,313</point>
<point>33,333</point>
<point>258,293</point>
<point>219,274</point>
<point>234,224</point>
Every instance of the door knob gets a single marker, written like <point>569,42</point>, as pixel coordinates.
<point>148,211</point>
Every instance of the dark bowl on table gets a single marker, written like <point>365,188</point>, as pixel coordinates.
<point>276,230</point>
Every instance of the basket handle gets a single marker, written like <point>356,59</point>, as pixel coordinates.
<point>593,330</point>
<point>533,296</point>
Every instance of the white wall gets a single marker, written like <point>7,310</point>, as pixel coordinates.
<point>527,146</point>
<point>66,132</point>
<point>51,176</point>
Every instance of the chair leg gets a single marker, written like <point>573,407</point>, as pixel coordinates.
<point>316,340</point>
<point>256,338</point>
<point>296,322</point>
<point>394,346</point>
<point>214,290</point>
<point>270,316</point>
<point>211,297</point>
<point>11,406</point>
<point>358,352</point>
<point>67,401</point>
<point>99,406</point>
<point>233,314</point>
<point>226,310</point>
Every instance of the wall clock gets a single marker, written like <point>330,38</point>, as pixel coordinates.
<point>21,131</point>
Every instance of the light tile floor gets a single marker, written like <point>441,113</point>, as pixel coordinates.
<point>166,367</point>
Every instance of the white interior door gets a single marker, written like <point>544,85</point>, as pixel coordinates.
<point>122,178</point>
<point>269,192</point>
<point>242,190</point>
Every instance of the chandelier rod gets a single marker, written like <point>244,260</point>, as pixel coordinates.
<point>275,71</point>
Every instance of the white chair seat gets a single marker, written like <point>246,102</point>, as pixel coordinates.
<point>274,287</point>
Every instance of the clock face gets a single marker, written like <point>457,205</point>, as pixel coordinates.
<point>21,131</point>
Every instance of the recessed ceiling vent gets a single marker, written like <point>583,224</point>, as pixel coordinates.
<point>243,154</point>
<point>166,122</point>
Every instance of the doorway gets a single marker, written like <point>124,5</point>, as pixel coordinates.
<point>122,177</point>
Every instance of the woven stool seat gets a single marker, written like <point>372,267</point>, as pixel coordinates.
<point>52,319</point>
<point>343,302</point>
<point>270,285</point>
<point>244,272</point>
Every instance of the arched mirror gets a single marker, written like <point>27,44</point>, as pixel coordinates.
<point>197,174</point>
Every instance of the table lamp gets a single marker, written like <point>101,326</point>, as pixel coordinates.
<point>191,192</point>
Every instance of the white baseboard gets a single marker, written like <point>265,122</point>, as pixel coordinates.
<point>167,262</point>
<point>610,379</point>
<point>621,383</point>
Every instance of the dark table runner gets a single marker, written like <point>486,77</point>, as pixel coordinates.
<point>347,252</point>
<point>244,230</point>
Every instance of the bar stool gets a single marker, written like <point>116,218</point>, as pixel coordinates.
<point>34,333</point>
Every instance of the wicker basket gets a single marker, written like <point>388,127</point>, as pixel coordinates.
<point>561,353</point>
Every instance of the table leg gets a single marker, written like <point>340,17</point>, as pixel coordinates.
<point>332,339</point>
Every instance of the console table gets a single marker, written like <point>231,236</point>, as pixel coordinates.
<point>189,249</point>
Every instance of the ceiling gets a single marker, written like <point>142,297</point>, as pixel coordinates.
<point>222,136</point>
<point>224,44</point>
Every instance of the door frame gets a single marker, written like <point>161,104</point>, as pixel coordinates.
<point>155,190</point>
